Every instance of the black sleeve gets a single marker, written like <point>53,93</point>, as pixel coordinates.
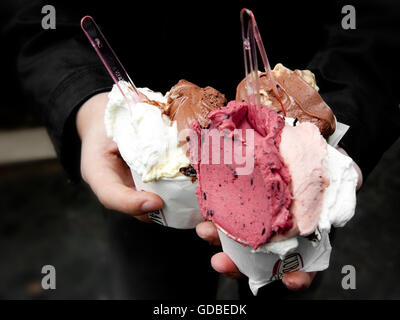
<point>58,70</point>
<point>358,73</point>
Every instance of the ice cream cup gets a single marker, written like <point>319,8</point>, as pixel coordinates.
<point>262,268</point>
<point>181,209</point>
<point>340,131</point>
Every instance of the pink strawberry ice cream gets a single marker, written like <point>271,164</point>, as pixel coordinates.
<point>303,150</point>
<point>251,207</point>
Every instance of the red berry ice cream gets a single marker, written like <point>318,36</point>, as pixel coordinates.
<point>251,207</point>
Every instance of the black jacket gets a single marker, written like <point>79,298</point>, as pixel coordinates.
<point>357,70</point>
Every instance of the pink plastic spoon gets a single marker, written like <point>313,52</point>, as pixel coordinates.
<point>110,60</point>
<point>251,37</point>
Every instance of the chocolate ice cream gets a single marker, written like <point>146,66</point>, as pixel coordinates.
<point>299,97</point>
<point>188,102</point>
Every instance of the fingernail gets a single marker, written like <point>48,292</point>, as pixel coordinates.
<point>294,286</point>
<point>149,206</point>
<point>290,285</point>
<point>206,232</point>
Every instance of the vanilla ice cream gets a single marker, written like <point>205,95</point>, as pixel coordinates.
<point>146,138</point>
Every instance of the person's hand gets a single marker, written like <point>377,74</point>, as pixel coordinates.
<point>221,262</point>
<point>102,167</point>
<point>298,280</point>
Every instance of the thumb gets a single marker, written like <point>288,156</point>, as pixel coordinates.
<point>111,181</point>
<point>119,197</point>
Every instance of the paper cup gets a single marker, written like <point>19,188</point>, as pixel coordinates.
<point>262,268</point>
<point>340,131</point>
<point>181,209</point>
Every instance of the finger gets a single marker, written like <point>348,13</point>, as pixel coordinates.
<point>223,264</point>
<point>110,179</point>
<point>118,197</point>
<point>107,177</point>
<point>298,280</point>
<point>356,167</point>
<point>207,231</point>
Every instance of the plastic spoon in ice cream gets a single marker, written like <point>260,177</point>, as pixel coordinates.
<point>250,62</point>
<point>250,37</point>
<point>110,60</point>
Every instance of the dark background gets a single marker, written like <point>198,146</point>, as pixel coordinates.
<point>44,219</point>
<point>207,55</point>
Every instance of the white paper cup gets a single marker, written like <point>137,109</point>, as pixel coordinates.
<point>181,209</point>
<point>340,131</point>
<point>263,268</point>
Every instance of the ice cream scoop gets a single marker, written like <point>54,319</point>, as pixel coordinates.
<point>249,207</point>
<point>147,139</point>
<point>188,102</point>
<point>303,150</point>
<point>299,95</point>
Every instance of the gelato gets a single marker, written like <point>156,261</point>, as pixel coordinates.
<point>289,252</point>
<point>188,102</point>
<point>303,150</point>
<point>148,140</point>
<point>151,129</point>
<point>293,189</point>
<point>251,207</point>
<point>299,96</point>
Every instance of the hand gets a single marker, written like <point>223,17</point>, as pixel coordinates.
<point>102,167</point>
<point>221,262</point>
